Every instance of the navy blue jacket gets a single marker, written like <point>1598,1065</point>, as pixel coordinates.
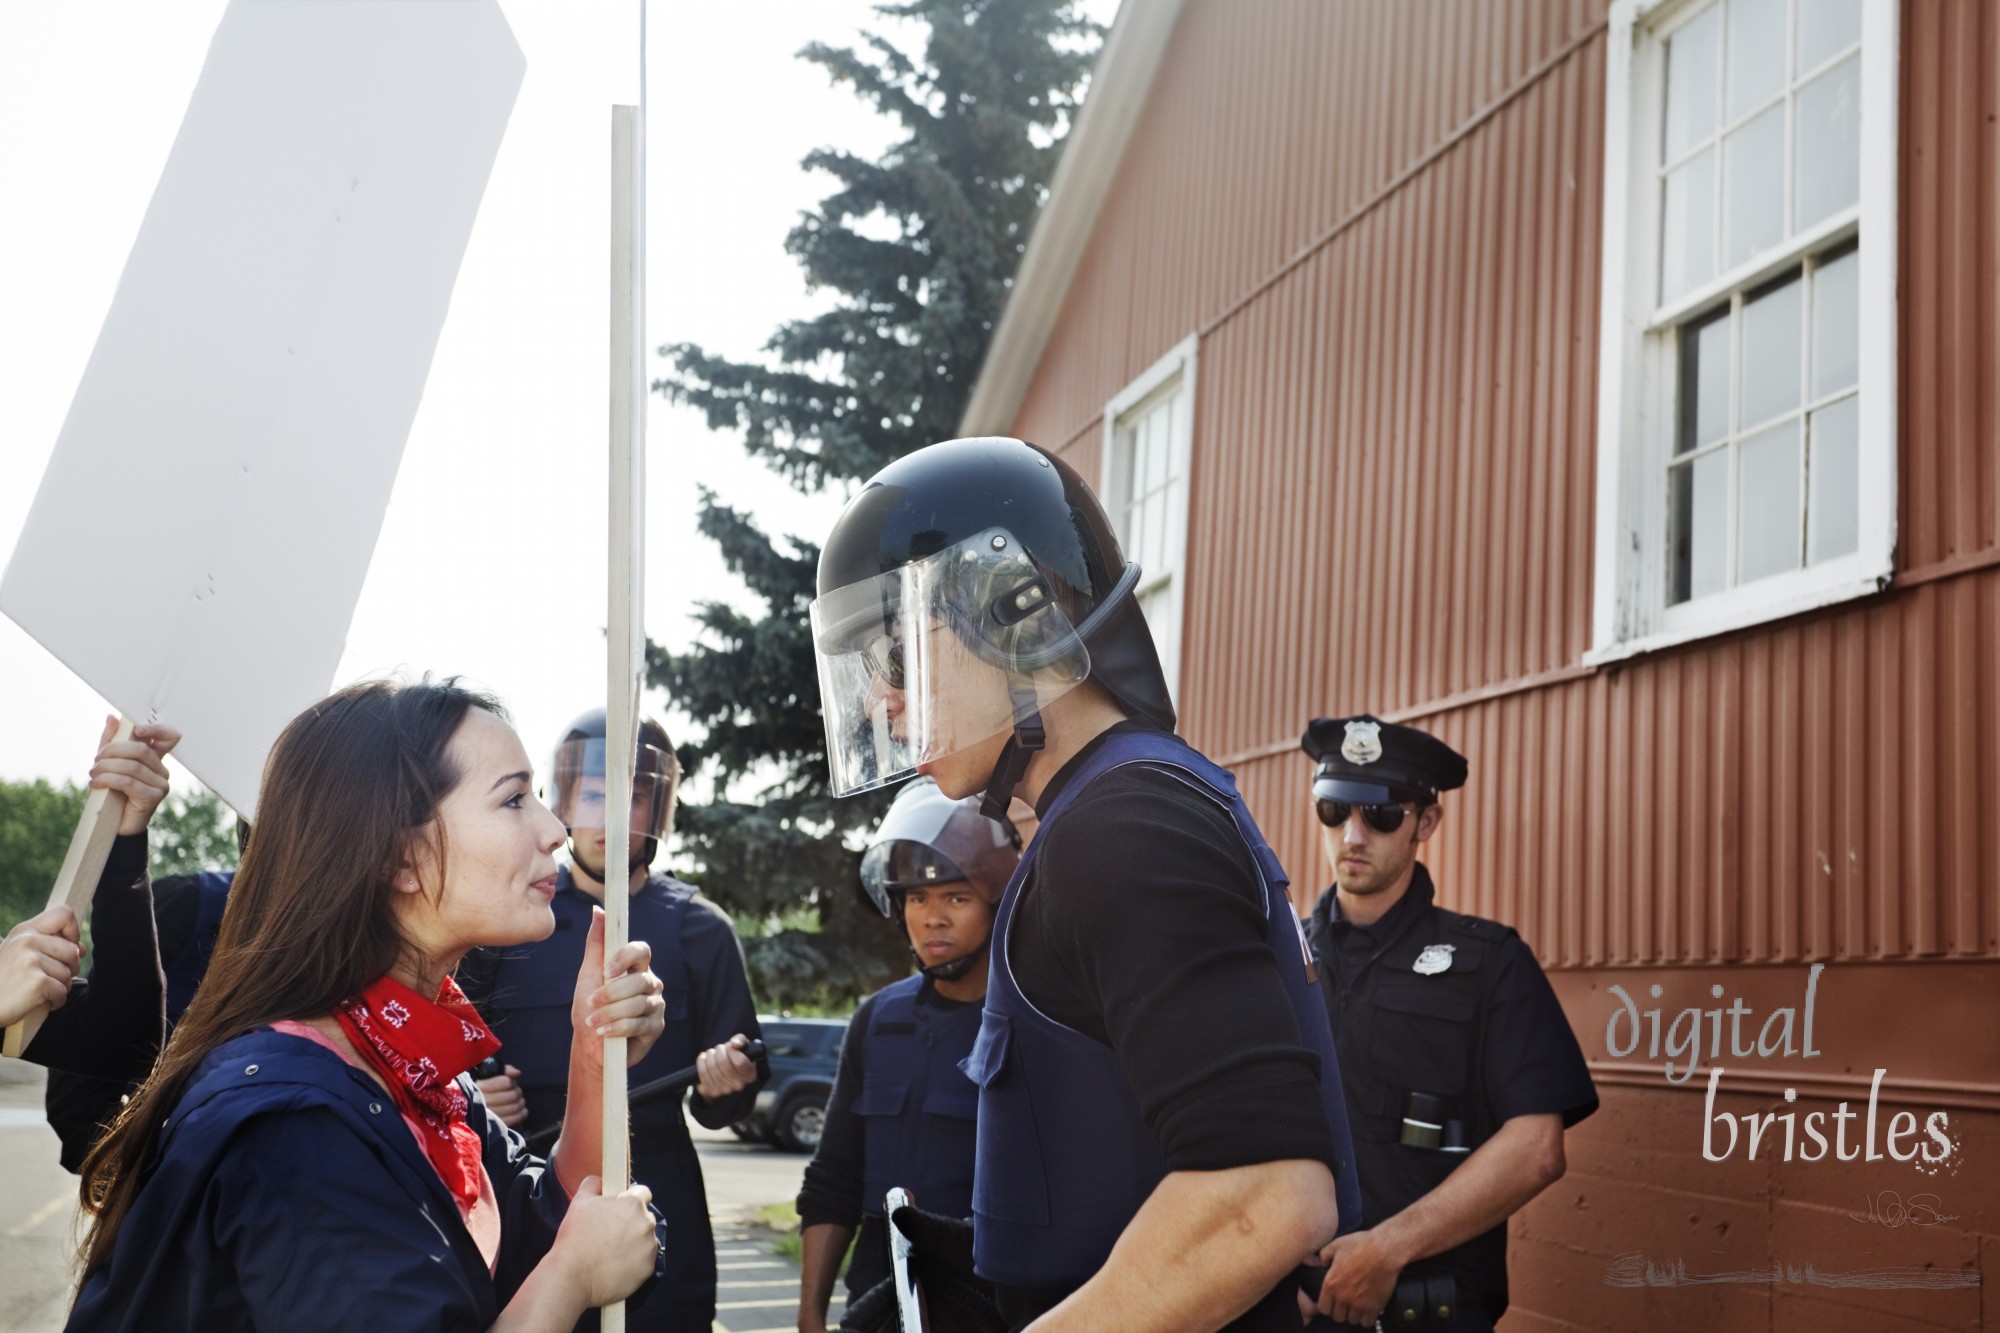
<point>286,1192</point>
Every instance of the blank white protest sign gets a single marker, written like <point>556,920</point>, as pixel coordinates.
<point>201,535</point>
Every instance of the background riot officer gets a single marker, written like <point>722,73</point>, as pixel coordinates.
<point>1460,1068</point>
<point>1181,1142</point>
<point>525,993</point>
<point>902,1112</point>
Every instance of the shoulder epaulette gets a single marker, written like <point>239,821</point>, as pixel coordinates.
<point>1478,928</point>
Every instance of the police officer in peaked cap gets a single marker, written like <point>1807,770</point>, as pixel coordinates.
<point>1162,1136</point>
<point>1460,1069</point>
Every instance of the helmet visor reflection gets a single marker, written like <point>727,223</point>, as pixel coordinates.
<point>891,868</point>
<point>578,798</point>
<point>936,656</point>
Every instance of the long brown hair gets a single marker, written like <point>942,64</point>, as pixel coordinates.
<point>349,788</point>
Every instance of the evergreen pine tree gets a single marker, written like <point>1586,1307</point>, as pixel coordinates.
<point>920,249</point>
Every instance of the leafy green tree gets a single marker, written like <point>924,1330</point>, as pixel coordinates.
<point>37,820</point>
<point>919,250</point>
<point>190,833</point>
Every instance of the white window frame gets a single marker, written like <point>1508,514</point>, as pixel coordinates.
<point>1638,349</point>
<point>1175,372</point>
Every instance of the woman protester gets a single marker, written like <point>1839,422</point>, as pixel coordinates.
<point>309,1154</point>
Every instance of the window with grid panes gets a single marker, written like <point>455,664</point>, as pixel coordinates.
<point>1760,141</point>
<point>1763,476</point>
<point>1737,362</point>
<point>1148,430</point>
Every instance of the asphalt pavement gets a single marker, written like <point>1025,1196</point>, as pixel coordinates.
<point>758,1289</point>
<point>37,1208</point>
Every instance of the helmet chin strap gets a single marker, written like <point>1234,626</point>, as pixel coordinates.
<point>1029,736</point>
<point>957,967</point>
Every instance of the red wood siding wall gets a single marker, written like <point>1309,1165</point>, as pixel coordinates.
<point>1383,218</point>
<point>1394,469</point>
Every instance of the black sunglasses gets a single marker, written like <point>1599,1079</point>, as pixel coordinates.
<point>1381,818</point>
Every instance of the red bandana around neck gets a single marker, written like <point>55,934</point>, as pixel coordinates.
<point>420,1047</point>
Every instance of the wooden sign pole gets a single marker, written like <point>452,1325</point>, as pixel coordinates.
<point>76,882</point>
<point>626,619</point>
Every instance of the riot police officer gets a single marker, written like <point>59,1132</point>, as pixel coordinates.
<point>1460,1068</point>
<point>1162,1136</point>
<point>902,1112</point>
<point>525,993</point>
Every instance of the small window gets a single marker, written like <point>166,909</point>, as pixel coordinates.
<point>1746,448</point>
<point>1763,477</point>
<point>1149,430</point>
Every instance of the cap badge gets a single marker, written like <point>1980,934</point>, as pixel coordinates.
<point>1363,744</point>
<point>1434,959</point>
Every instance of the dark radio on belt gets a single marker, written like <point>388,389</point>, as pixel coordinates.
<point>1423,1121</point>
<point>1425,1125</point>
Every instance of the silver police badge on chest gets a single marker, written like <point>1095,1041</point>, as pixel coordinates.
<point>1434,959</point>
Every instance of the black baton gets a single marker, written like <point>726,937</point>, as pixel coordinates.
<point>678,1081</point>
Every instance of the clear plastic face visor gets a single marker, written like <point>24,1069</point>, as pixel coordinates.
<point>890,868</point>
<point>937,656</point>
<point>577,793</point>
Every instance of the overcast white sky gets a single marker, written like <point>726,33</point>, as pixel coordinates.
<point>491,558</point>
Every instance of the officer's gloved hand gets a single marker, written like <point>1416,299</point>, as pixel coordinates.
<point>956,1299</point>
<point>873,1311</point>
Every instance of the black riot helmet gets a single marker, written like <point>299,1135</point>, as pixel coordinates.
<point>578,782</point>
<point>966,586</point>
<point>928,840</point>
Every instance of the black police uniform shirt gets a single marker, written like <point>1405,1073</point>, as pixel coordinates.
<point>525,993</point>
<point>1490,1024</point>
<point>1141,925</point>
<point>831,1192</point>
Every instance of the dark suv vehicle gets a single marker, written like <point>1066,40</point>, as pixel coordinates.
<point>791,1108</point>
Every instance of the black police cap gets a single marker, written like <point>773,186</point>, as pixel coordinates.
<point>1366,761</point>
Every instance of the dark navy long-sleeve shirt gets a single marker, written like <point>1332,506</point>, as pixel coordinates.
<point>114,1020</point>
